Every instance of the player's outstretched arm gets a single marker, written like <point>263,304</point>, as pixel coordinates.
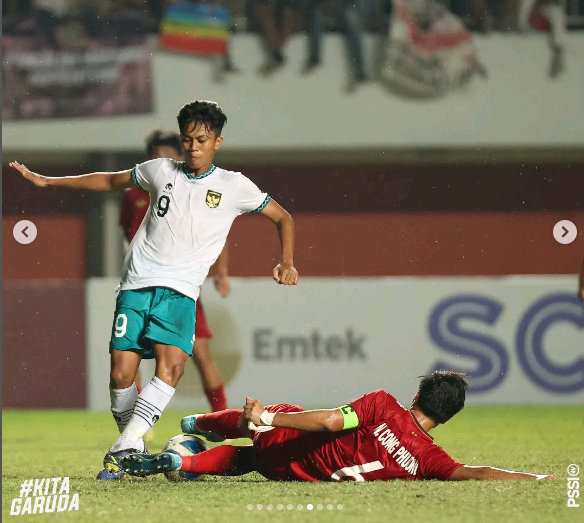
<point>101,182</point>
<point>491,473</point>
<point>329,420</point>
<point>284,273</point>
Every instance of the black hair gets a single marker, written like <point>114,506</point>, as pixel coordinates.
<point>203,112</point>
<point>441,394</point>
<point>159,138</point>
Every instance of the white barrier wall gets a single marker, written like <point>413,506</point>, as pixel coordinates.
<point>517,105</point>
<point>327,341</point>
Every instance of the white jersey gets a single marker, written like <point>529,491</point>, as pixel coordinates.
<point>186,225</point>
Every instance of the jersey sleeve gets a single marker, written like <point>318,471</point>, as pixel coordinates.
<point>250,198</point>
<point>143,174</point>
<point>371,406</point>
<point>437,464</point>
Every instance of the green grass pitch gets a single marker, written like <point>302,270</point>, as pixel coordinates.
<point>47,444</point>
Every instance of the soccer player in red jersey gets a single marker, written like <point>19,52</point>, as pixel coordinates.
<point>160,144</point>
<point>371,438</point>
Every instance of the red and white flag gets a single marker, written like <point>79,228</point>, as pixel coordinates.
<point>429,51</point>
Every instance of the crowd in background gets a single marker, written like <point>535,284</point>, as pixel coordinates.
<point>277,20</point>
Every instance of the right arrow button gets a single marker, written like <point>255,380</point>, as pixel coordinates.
<point>565,232</point>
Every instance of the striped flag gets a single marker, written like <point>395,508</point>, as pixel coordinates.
<point>195,28</point>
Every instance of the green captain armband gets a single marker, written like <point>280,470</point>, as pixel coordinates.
<point>350,419</point>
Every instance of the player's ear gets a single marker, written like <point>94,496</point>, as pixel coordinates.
<point>416,398</point>
<point>218,142</point>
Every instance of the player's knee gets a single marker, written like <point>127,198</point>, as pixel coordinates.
<point>121,378</point>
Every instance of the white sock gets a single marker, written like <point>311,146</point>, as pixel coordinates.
<point>147,410</point>
<point>122,404</point>
<point>557,19</point>
<point>525,8</point>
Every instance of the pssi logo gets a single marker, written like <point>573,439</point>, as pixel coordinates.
<point>491,357</point>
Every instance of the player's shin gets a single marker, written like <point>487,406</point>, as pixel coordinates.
<point>223,423</point>
<point>224,460</point>
<point>122,404</point>
<point>217,398</point>
<point>147,410</point>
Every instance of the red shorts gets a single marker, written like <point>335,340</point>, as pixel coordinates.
<point>202,329</point>
<point>276,449</point>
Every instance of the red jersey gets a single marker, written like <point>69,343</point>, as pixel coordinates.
<point>134,208</point>
<point>388,444</point>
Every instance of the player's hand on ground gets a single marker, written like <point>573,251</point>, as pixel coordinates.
<point>253,410</point>
<point>37,179</point>
<point>222,285</point>
<point>285,274</point>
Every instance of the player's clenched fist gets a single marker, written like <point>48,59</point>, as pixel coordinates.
<point>253,410</point>
<point>37,179</point>
<point>285,274</point>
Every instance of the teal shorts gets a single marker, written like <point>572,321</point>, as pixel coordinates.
<point>153,314</point>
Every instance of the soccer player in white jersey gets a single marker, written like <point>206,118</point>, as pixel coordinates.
<point>193,204</point>
<point>135,206</point>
